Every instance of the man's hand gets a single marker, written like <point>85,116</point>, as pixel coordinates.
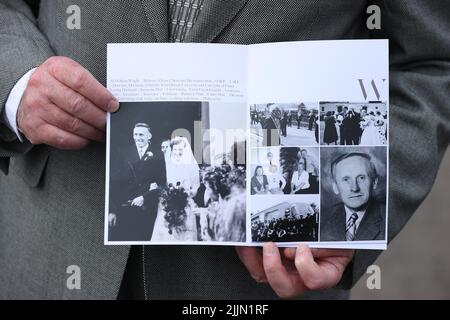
<point>138,202</point>
<point>112,219</point>
<point>296,270</point>
<point>64,106</point>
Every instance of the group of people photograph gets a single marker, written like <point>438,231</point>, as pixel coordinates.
<point>159,191</point>
<point>284,162</point>
<point>353,123</point>
<point>278,124</point>
<point>285,170</point>
<point>352,200</point>
<point>286,222</point>
<point>350,181</point>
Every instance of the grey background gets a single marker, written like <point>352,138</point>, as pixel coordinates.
<point>417,262</point>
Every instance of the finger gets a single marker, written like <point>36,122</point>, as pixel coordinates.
<point>51,114</point>
<point>314,276</point>
<point>276,273</point>
<point>75,104</point>
<point>253,261</point>
<point>61,139</point>
<point>321,253</point>
<point>82,81</point>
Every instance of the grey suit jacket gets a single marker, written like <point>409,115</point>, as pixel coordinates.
<point>372,226</point>
<point>51,201</point>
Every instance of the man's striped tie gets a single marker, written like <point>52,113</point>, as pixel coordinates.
<point>350,228</point>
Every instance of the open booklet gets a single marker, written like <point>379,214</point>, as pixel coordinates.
<point>218,144</point>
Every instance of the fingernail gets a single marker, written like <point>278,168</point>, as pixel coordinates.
<point>270,250</point>
<point>113,105</point>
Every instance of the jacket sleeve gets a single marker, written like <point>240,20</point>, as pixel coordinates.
<point>23,47</point>
<point>419,41</point>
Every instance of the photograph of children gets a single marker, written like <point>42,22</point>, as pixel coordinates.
<point>285,219</point>
<point>289,124</point>
<point>346,123</point>
<point>284,170</point>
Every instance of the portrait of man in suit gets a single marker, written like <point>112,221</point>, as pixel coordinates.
<point>359,216</point>
<point>135,201</point>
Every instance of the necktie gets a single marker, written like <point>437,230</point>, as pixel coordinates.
<point>182,15</point>
<point>350,228</point>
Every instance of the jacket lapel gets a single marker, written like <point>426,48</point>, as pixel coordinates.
<point>370,228</point>
<point>339,225</point>
<point>156,13</point>
<point>215,16</point>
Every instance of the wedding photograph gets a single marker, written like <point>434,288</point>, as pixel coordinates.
<point>353,194</point>
<point>348,123</point>
<point>284,170</point>
<point>285,219</point>
<point>166,183</point>
<point>284,124</point>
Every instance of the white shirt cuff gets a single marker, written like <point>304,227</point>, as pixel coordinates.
<point>13,102</point>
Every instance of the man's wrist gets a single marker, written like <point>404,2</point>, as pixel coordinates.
<point>13,102</point>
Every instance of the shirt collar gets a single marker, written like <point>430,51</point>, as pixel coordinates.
<point>141,150</point>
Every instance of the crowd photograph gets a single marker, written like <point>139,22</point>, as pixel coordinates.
<point>282,220</point>
<point>160,190</point>
<point>278,124</point>
<point>284,170</point>
<point>344,123</point>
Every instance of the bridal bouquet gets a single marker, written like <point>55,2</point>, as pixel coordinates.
<point>174,202</point>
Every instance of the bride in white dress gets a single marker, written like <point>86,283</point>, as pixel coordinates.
<point>182,171</point>
<point>370,135</point>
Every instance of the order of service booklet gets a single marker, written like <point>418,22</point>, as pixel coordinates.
<point>218,144</point>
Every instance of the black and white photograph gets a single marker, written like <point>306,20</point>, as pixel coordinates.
<point>284,124</point>
<point>347,123</point>
<point>284,170</point>
<point>353,194</point>
<point>285,219</point>
<point>166,183</point>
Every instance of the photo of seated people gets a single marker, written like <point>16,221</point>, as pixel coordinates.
<point>285,170</point>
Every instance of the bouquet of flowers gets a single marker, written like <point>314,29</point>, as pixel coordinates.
<point>174,202</point>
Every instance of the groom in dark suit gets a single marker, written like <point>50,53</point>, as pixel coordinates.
<point>358,216</point>
<point>136,201</point>
<point>352,130</point>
